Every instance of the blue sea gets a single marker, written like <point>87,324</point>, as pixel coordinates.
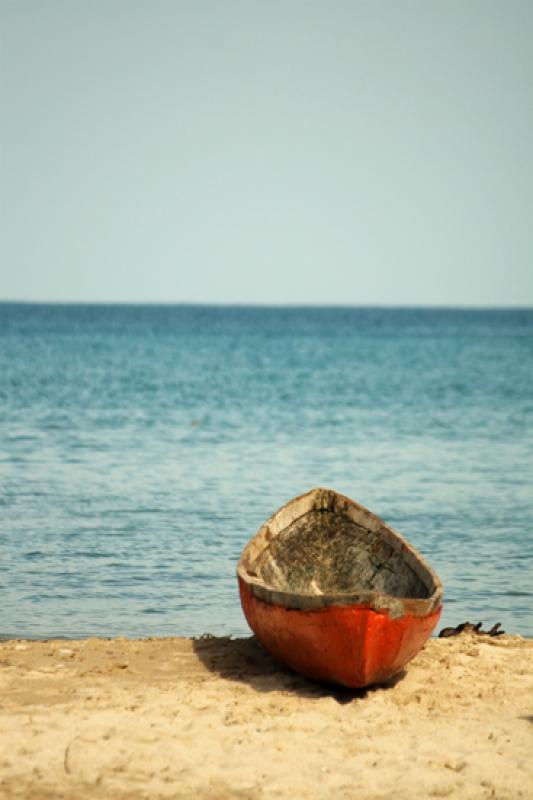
<point>142,446</point>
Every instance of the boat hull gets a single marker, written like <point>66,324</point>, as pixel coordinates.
<point>352,645</point>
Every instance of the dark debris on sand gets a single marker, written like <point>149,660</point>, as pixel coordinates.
<point>469,627</point>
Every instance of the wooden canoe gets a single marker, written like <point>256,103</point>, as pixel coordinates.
<point>335,593</point>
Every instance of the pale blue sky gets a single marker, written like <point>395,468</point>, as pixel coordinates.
<point>267,152</point>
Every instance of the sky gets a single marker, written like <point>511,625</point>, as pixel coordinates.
<point>287,151</point>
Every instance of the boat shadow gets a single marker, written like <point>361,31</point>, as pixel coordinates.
<point>245,661</point>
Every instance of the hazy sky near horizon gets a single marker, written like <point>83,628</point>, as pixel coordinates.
<point>267,152</point>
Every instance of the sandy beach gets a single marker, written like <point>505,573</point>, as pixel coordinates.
<point>217,718</point>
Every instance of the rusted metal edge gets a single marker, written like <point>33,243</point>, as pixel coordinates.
<point>328,500</point>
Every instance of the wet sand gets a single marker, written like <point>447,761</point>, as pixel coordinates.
<point>217,718</point>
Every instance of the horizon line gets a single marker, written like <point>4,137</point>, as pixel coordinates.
<point>288,305</point>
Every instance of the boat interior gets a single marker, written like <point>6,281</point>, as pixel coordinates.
<point>325,552</point>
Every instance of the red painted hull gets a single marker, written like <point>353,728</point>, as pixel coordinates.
<point>351,645</point>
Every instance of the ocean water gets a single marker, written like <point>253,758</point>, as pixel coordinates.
<point>141,446</point>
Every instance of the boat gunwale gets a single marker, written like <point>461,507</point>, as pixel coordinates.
<point>321,499</point>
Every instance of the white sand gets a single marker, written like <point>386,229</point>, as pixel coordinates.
<point>216,718</point>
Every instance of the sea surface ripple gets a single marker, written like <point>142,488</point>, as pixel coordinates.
<point>141,446</point>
